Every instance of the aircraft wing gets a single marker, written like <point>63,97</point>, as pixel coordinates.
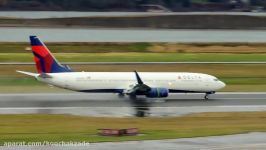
<point>139,87</point>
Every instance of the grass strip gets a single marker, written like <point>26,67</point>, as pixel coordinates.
<point>137,57</point>
<point>42,127</point>
<point>78,47</point>
<point>109,47</point>
<point>30,81</point>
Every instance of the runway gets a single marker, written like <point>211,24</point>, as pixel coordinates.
<point>109,105</point>
<point>229,142</point>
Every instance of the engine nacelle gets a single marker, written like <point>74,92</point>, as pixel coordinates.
<point>158,93</point>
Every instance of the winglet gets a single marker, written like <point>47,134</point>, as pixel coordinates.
<point>138,78</point>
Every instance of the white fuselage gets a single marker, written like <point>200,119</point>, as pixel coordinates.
<point>108,81</point>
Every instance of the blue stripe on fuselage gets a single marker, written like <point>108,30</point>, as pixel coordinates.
<point>121,91</point>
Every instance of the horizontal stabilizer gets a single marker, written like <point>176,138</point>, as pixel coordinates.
<point>28,73</point>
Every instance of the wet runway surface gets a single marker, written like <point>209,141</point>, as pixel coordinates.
<point>112,105</point>
<point>254,141</point>
<point>231,142</point>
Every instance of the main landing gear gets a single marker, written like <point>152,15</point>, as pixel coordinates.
<point>207,95</point>
<point>121,95</point>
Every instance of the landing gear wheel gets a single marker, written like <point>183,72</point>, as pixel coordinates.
<point>141,113</point>
<point>120,95</point>
<point>207,96</point>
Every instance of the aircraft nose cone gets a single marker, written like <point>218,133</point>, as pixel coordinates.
<point>222,84</point>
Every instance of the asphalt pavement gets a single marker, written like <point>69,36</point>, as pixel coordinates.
<point>110,105</point>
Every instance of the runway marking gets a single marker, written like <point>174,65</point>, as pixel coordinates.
<point>237,146</point>
<point>239,93</point>
<point>219,99</point>
<point>244,106</point>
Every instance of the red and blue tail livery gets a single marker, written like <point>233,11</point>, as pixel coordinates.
<point>45,61</point>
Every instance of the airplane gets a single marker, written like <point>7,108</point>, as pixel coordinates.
<point>132,84</point>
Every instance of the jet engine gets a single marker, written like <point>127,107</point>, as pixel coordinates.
<point>157,93</point>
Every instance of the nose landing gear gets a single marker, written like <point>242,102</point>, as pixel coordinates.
<point>207,95</point>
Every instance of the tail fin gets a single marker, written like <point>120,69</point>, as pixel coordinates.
<point>45,61</point>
